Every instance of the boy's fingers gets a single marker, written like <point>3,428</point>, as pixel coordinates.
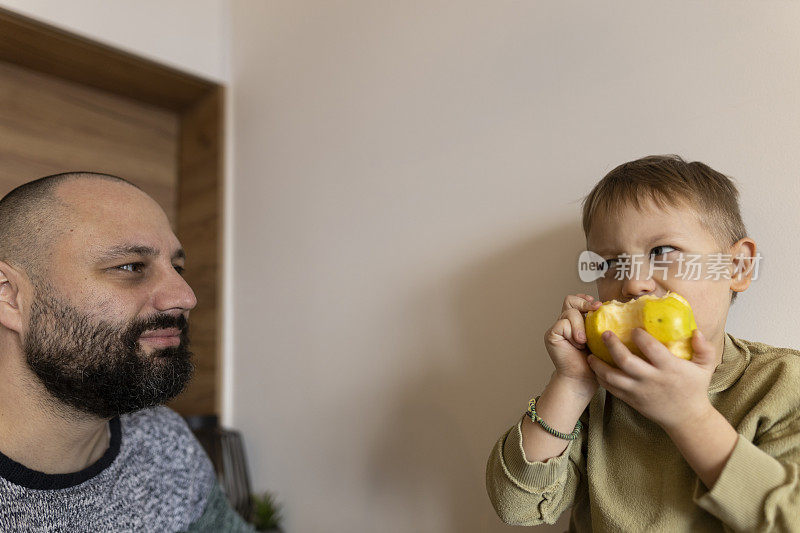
<point>576,301</point>
<point>560,330</point>
<point>704,353</point>
<point>563,329</point>
<point>576,325</point>
<point>632,365</point>
<point>654,351</point>
<point>594,305</point>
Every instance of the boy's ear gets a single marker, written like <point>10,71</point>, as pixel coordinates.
<point>744,264</point>
<point>10,311</point>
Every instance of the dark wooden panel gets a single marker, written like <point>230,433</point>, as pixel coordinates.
<point>49,125</point>
<point>200,229</point>
<point>38,46</point>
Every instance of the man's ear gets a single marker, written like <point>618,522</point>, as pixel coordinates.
<point>744,264</point>
<point>10,310</point>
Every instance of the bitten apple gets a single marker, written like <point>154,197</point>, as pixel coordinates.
<point>669,319</point>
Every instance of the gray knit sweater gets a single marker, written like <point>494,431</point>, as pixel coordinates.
<point>154,476</point>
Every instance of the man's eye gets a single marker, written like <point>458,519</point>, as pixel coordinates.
<point>659,250</point>
<point>136,266</point>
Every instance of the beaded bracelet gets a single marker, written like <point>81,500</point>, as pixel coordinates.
<point>536,418</point>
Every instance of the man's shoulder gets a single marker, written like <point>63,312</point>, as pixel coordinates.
<point>159,450</point>
<point>160,420</point>
<point>161,435</point>
<point>155,425</point>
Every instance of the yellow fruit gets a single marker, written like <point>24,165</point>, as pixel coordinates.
<point>669,319</point>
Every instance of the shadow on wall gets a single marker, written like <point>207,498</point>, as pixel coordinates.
<point>477,372</point>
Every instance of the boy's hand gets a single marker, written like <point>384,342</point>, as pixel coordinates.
<point>565,342</point>
<point>666,389</point>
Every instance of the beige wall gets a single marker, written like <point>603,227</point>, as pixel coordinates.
<point>407,187</point>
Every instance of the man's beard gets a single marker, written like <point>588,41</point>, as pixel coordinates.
<point>98,367</point>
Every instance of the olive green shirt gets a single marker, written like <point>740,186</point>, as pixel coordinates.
<point>623,473</point>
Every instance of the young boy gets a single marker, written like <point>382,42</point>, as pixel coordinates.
<point>664,444</point>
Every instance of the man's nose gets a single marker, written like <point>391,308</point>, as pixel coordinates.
<point>173,292</point>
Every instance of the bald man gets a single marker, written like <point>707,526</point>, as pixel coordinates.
<point>93,341</point>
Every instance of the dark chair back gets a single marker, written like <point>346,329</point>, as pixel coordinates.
<point>225,448</point>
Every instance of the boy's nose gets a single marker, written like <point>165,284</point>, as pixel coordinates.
<point>638,285</point>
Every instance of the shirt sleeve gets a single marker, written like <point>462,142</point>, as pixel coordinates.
<point>220,516</point>
<point>759,487</point>
<point>531,493</point>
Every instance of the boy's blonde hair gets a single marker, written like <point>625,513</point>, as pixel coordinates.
<point>669,181</point>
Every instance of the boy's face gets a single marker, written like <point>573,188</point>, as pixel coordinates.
<point>660,243</point>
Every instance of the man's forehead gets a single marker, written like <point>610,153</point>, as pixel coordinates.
<point>107,219</point>
<point>92,188</point>
<point>94,201</point>
<point>108,201</point>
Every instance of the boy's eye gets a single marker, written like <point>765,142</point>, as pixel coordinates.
<point>656,251</point>
<point>659,250</point>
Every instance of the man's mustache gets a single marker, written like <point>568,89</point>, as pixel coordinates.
<point>131,337</point>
